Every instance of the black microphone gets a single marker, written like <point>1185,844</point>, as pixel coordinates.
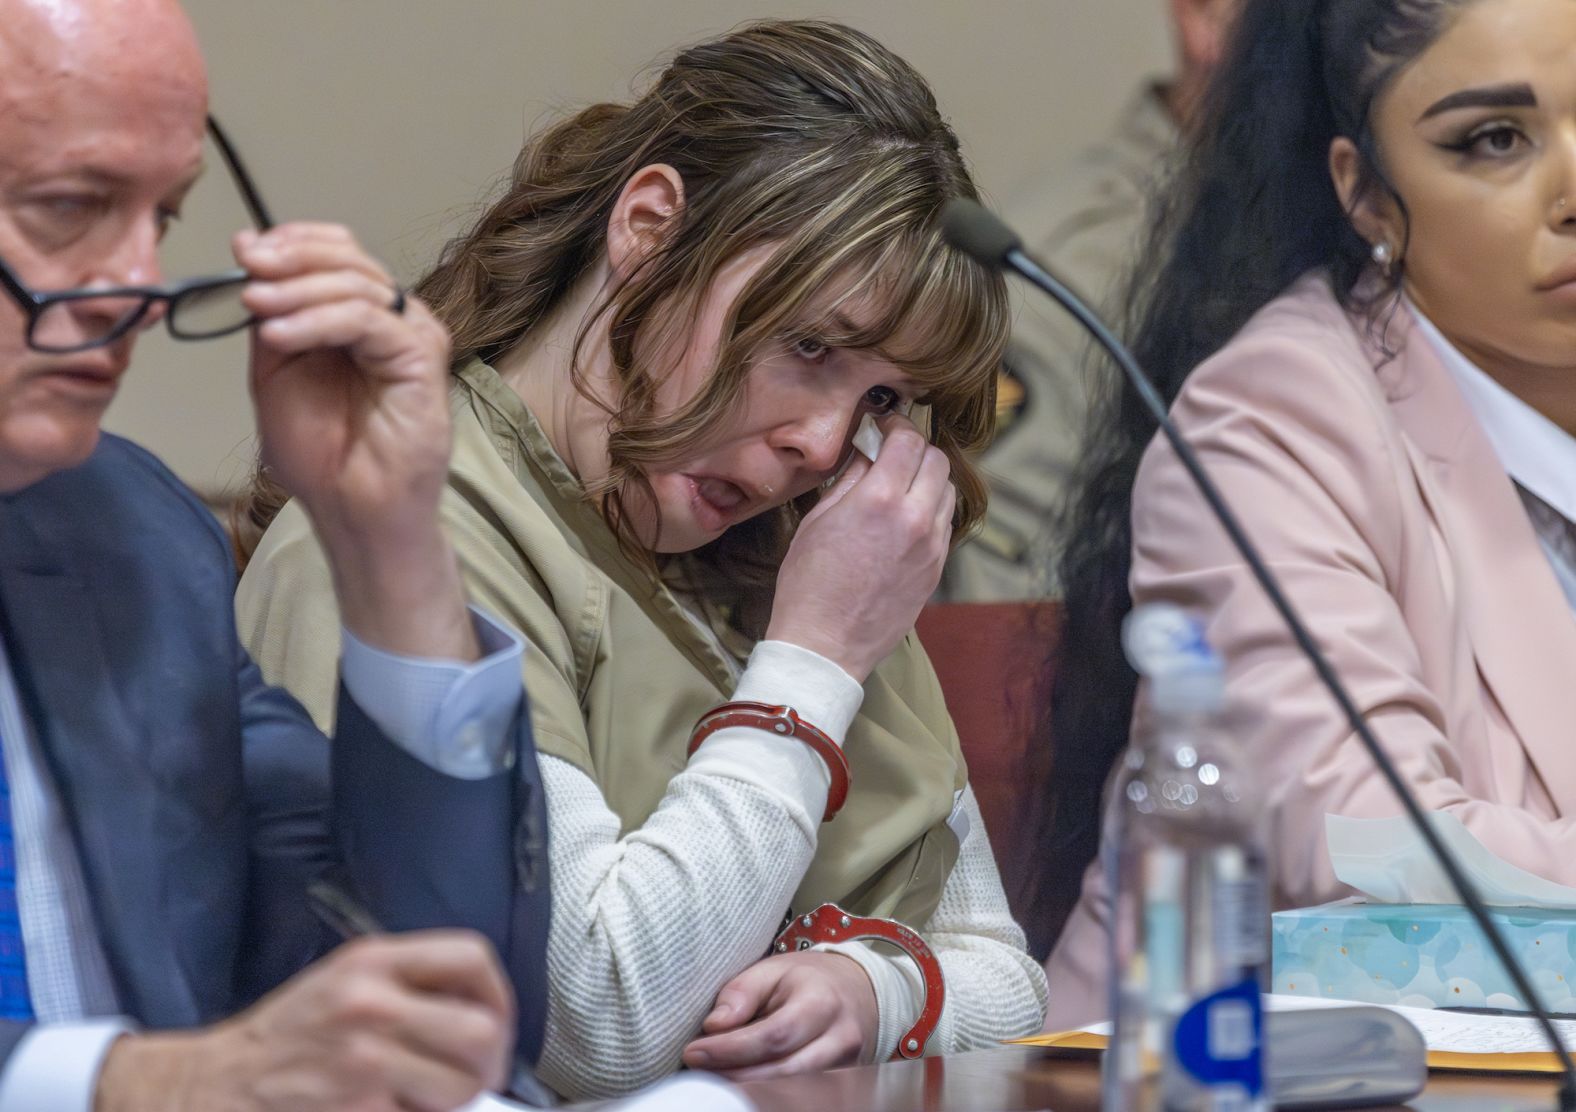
<point>978,233</point>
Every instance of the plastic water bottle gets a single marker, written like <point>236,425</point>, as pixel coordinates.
<point>1183,851</point>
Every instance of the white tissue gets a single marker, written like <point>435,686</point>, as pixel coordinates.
<point>868,438</point>
<point>1387,861</point>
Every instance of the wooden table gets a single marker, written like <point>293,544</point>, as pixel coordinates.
<point>1026,1079</point>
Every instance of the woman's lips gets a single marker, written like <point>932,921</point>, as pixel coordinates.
<point>717,501</point>
<point>720,493</point>
<point>1565,293</point>
<point>1561,276</point>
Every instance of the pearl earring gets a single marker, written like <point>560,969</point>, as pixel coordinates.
<point>1384,256</point>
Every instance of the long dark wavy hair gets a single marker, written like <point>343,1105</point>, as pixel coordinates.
<point>1251,208</point>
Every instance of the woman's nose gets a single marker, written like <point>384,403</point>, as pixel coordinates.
<point>818,439</point>
<point>1563,211</point>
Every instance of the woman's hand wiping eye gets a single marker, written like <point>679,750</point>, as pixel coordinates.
<point>883,399</point>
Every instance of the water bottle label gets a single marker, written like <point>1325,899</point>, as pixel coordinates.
<point>1241,919</point>
<point>1218,1041</point>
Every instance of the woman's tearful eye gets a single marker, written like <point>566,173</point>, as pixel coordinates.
<point>882,399</point>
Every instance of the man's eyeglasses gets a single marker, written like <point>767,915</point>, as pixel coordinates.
<point>64,321</point>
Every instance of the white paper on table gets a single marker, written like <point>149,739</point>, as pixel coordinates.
<point>1387,861</point>
<point>693,1092</point>
<point>1469,1033</point>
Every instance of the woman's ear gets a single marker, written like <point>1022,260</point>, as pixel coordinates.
<point>649,200</point>
<point>1373,212</point>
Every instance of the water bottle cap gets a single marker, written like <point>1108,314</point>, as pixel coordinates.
<point>1165,645</point>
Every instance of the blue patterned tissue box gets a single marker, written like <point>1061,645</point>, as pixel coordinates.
<point>1422,956</point>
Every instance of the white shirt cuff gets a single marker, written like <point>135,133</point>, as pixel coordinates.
<point>900,990</point>
<point>824,695</point>
<point>782,674</point>
<point>454,717</point>
<point>56,1066</point>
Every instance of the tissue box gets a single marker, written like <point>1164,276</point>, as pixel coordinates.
<point>1422,956</point>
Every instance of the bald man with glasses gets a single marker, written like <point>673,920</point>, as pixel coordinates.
<point>162,811</point>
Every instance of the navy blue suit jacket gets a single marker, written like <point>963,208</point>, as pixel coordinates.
<point>203,800</point>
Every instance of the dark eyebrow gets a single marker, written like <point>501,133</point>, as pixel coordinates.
<point>1489,96</point>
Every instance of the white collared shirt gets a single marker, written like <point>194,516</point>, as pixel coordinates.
<point>1538,455</point>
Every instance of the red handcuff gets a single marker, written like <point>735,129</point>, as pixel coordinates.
<point>830,923</point>
<point>784,722</point>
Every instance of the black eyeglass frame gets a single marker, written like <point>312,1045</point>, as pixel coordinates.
<point>35,303</point>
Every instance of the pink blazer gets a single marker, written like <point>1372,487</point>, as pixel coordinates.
<point>1377,499</point>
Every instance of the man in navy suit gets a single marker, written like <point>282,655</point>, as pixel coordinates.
<point>161,809</point>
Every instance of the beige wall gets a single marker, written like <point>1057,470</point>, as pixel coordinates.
<point>396,117</point>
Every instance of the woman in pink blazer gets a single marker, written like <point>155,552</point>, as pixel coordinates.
<point>1367,322</point>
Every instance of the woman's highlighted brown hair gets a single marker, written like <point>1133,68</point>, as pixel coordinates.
<point>807,135</point>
